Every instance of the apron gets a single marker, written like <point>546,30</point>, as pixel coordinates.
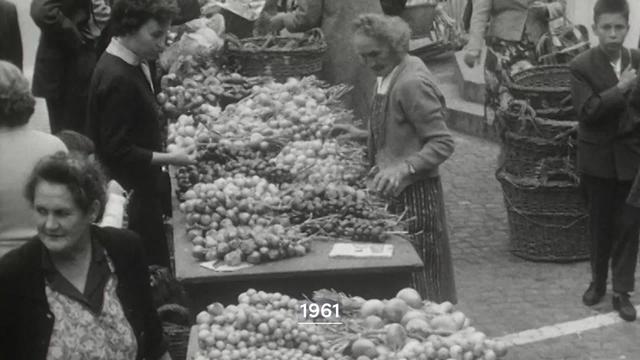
<point>79,334</point>
<point>423,201</point>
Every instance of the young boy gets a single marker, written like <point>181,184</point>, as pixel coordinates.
<point>608,158</point>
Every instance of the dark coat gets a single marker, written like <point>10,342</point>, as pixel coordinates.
<point>11,43</point>
<point>603,150</point>
<point>124,124</point>
<point>62,59</point>
<point>27,322</point>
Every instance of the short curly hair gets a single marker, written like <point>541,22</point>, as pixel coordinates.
<point>128,16</point>
<point>391,30</point>
<point>16,102</point>
<point>84,179</point>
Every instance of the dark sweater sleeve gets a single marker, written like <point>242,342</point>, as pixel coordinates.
<point>114,120</point>
<point>13,40</point>
<point>48,15</point>
<point>424,109</point>
<point>592,106</point>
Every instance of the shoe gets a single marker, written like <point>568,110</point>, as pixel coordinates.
<point>593,295</point>
<point>624,307</point>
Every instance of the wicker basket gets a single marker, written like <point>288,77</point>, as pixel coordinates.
<point>543,87</point>
<point>560,193</point>
<point>521,119</point>
<point>553,237</point>
<point>279,63</point>
<point>176,335</point>
<point>420,19</point>
<point>523,155</point>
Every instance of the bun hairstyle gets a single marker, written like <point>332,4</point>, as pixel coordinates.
<point>611,7</point>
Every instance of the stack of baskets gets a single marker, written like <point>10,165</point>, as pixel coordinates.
<point>546,210</point>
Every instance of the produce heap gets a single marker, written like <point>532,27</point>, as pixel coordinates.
<point>267,326</point>
<point>268,162</point>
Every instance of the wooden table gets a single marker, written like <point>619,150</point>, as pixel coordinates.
<point>369,278</point>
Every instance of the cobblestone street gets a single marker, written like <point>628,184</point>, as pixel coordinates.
<point>504,294</point>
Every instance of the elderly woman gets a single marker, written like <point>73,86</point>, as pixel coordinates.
<point>340,62</point>
<point>124,120</point>
<point>20,150</point>
<point>76,291</point>
<point>408,140</point>
<point>511,29</point>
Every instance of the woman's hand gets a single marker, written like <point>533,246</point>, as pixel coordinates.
<point>471,57</point>
<point>182,157</point>
<point>348,131</point>
<point>276,23</point>
<point>387,181</point>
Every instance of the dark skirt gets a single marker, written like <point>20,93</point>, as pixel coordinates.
<point>424,203</point>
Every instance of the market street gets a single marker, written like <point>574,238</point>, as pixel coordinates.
<point>504,294</point>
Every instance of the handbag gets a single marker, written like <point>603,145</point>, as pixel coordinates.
<point>562,43</point>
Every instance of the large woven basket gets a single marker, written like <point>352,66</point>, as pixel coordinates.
<point>560,193</point>
<point>543,87</point>
<point>553,237</point>
<point>523,155</point>
<point>279,63</point>
<point>522,119</point>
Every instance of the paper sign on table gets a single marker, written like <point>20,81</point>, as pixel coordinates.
<point>362,250</point>
<point>220,266</point>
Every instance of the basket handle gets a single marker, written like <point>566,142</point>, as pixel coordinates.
<point>231,39</point>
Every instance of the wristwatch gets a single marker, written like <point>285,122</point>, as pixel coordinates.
<point>412,170</point>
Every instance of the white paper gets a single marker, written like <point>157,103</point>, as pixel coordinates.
<point>362,250</point>
<point>220,266</point>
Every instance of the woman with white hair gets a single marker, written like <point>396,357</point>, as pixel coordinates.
<point>20,150</point>
<point>408,139</point>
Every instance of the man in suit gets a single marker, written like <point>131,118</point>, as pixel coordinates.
<point>11,43</point>
<point>66,56</point>
<point>608,153</point>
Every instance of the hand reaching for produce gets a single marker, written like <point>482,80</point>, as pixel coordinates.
<point>348,131</point>
<point>387,181</point>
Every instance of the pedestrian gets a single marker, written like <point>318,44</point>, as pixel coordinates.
<point>20,149</point>
<point>511,30</point>
<point>608,153</point>
<point>11,44</point>
<point>66,56</point>
<point>408,140</point>
<point>124,117</point>
<point>340,65</point>
<point>75,290</point>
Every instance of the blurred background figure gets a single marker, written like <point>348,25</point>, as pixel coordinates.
<point>66,56</point>
<point>20,150</point>
<point>10,38</point>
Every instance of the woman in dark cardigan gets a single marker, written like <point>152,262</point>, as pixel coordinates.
<point>76,290</point>
<point>408,140</point>
<point>123,116</point>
